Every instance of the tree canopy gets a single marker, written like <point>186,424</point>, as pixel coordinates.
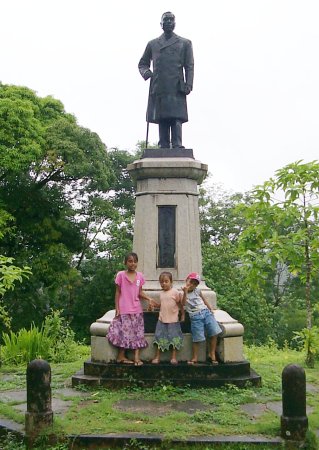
<point>282,228</point>
<point>62,195</point>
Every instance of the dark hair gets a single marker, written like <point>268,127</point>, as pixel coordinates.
<point>128,255</point>
<point>166,274</point>
<point>167,13</point>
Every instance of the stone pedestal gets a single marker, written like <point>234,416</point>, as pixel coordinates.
<point>167,238</point>
<point>163,180</point>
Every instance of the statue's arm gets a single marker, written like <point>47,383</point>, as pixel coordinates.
<point>145,63</point>
<point>189,67</point>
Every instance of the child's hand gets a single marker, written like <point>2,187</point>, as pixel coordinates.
<point>150,305</point>
<point>154,304</point>
<point>117,312</point>
<point>183,318</point>
<point>185,289</point>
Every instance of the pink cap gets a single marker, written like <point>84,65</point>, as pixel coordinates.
<point>194,276</point>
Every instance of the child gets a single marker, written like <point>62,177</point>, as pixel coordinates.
<point>168,331</point>
<point>201,317</point>
<point>127,328</point>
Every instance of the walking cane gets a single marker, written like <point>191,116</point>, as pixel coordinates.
<point>147,128</point>
<point>148,123</point>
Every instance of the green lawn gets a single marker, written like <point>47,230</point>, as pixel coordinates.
<point>95,412</point>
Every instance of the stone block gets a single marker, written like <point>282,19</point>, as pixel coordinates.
<point>230,349</point>
<point>103,351</point>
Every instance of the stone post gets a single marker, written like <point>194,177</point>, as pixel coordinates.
<point>39,413</point>
<point>294,421</point>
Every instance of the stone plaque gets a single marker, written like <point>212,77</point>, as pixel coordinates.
<point>166,236</point>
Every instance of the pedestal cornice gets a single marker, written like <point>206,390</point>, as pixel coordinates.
<point>168,168</point>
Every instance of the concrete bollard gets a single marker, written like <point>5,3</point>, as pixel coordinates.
<point>294,421</point>
<point>39,413</point>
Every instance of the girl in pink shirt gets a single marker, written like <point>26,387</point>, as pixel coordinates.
<point>127,328</point>
<point>168,331</point>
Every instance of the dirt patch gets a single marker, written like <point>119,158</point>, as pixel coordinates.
<point>154,408</point>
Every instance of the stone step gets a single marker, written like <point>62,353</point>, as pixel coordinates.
<point>129,378</point>
<point>199,375</point>
<point>166,370</point>
<point>88,380</point>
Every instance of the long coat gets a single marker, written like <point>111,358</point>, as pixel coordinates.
<point>173,70</point>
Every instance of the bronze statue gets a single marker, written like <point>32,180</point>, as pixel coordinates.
<point>171,80</point>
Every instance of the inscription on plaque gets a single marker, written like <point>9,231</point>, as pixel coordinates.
<point>166,236</point>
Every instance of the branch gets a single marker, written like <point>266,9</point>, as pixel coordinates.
<point>85,247</point>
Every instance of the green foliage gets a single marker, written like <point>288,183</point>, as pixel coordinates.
<point>282,229</point>
<point>10,273</point>
<point>53,341</point>
<point>56,200</point>
<point>21,132</point>
<point>309,340</point>
<point>11,442</point>
<point>289,320</point>
<point>221,227</point>
<point>25,345</point>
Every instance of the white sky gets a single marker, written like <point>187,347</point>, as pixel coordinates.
<point>255,103</point>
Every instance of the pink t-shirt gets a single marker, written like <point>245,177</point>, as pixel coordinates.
<point>169,306</point>
<point>129,301</point>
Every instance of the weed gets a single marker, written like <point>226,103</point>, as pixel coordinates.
<point>11,442</point>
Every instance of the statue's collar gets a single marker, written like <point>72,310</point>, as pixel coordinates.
<point>167,42</point>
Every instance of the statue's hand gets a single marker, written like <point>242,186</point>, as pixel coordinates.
<point>188,89</point>
<point>148,74</point>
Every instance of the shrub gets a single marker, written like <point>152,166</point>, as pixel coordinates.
<point>25,345</point>
<point>308,338</point>
<point>54,341</point>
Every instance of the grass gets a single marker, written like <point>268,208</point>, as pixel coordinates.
<point>96,412</point>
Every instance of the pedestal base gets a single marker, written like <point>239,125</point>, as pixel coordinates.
<point>182,374</point>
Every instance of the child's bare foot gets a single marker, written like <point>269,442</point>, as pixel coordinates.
<point>124,361</point>
<point>174,361</point>
<point>155,361</point>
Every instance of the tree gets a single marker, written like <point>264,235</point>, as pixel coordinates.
<point>282,228</point>
<point>221,226</point>
<point>51,170</point>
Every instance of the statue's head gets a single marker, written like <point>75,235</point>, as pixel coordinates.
<point>168,21</point>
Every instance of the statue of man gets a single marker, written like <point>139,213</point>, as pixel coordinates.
<point>171,80</point>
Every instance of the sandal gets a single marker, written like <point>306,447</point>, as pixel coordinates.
<point>124,361</point>
<point>155,361</point>
<point>191,362</point>
<point>214,362</point>
<point>138,363</point>
<point>174,361</point>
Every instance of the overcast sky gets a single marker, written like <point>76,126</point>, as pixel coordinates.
<point>255,103</point>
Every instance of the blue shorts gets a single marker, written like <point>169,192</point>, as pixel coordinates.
<point>201,322</point>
